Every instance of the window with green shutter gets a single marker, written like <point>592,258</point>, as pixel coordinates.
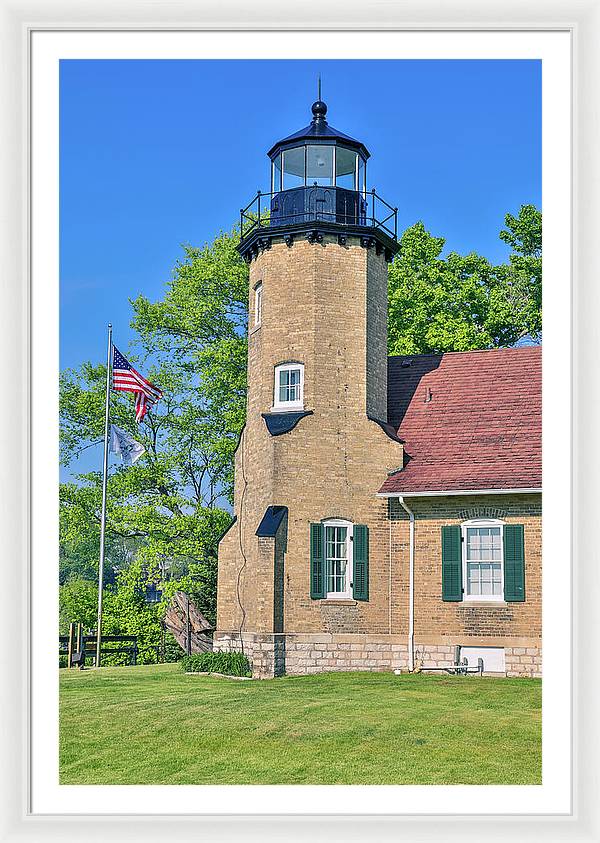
<point>317,562</point>
<point>360,574</point>
<point>339,560</point>
<point>452,589</point>
<point>514,563</point>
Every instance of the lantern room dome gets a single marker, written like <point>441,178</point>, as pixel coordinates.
<point>319,131</point>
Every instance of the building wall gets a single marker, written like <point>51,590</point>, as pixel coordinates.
<point>301,653</point>
<point>377,316</point>
<point>377,630</point>
<point>473,623</point>
<point>439,627</point>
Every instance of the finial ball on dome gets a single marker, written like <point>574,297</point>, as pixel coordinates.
<point>319,110</point>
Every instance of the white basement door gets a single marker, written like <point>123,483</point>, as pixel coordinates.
<point>493,658</point>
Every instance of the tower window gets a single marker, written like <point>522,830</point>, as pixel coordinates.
<point>339,560</point>
<point>289,387</point>
<point>258,291</point>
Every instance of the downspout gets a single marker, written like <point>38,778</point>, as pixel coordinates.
<point>411,584</point>
<point>390,556</point>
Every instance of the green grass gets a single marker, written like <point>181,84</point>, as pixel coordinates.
<point>157,725</point>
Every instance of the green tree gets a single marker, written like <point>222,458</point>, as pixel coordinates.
<point>126,610</point>
<point>459,303</point>
<point>523,276</point>
<point>199,329</point>
<point>166,512</point>
<point>78,602</point>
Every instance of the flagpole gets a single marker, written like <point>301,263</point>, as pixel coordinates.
<point>104,475</point>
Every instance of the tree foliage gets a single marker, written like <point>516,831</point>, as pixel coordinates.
<point>171,505</point>
<point>126,610</point>
<point>460,303</point>
<point>199,329</point>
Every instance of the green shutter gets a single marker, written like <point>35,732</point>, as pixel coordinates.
<point>317,562</point>
<point>451,564</point>
<point>514,563</point>
<point>360,576</point>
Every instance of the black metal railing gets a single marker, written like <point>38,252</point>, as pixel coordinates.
<point>318,203</point>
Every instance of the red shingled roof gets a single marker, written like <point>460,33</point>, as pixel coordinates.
<point>468,420</point>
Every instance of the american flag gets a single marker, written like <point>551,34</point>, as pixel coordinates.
<point>126,379</point>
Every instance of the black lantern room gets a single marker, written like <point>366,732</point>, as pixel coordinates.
<point>318,176</point>
<point>318,169</point>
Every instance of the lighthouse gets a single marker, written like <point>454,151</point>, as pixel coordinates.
<point>300,564</point>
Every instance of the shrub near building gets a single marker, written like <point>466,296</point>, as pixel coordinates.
<point>231,664</point>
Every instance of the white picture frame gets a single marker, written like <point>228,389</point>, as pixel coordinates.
<point>17,24</point>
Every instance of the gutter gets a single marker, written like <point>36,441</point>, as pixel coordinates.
<point>401,495</point>
<point>411,584</point>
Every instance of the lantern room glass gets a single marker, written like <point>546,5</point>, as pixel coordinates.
<point>346,168</point>
<point>319,165</point>
<point>276,175</point>
<point>294,167</point>
<point>362,176</point>
<point>322,164</point>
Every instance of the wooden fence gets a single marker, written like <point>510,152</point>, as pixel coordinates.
<point>75,643</point>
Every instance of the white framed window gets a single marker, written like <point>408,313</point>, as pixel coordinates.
<point>483,559</point>
<point>338,558</point>
<point>258,294</point>
<point>289,387</point>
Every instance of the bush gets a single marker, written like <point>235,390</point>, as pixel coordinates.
<point>232,664</point>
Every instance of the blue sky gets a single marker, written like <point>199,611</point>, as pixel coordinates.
<point>154,154</point>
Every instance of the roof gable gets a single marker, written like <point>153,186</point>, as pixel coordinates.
<point>468,420</point>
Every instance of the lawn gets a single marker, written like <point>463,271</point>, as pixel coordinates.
<point>157,725</point>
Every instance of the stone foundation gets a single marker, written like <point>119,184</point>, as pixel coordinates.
<point>519,661</point>
<point>296,654</point>
<point>523,661</point>
<point>266,653</point>
<point>433,655</point>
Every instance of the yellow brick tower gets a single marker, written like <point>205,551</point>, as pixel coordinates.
<point>304,563</point>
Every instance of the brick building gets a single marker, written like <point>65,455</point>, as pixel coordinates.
<point>387,510</point>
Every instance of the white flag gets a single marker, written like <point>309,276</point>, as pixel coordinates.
<point>124,444</point>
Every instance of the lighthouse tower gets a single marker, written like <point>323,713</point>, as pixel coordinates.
<point>306,559</point>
